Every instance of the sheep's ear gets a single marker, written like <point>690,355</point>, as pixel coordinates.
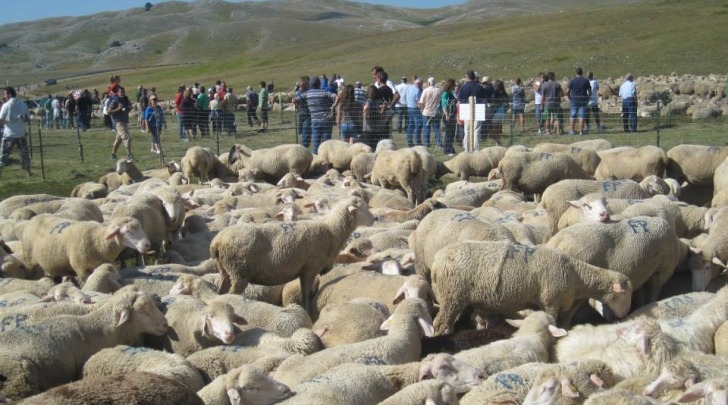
<point>719,262</point>
<point>709,216</point>
<point>425,370</point>
<point>596,380</point>
<point>353,208</point>
<point>568,389</point>
<point>574,203</point>
<point>695,250</point>
<point>643,344</point>
<point>618,288</point>
<point>124,316</point>
<point>367,176</point>
<point>693,393</point>
<point>557,332</point>
<point>233,396</point>
<point>48,298</point>
<point>205,325</point>
<point>426,326</point>
<point>113,232</point>
<point>239,320</point>
<point>399,296</point>
<point>430,401</point>
<point>689,382</point>
<point>320,331</point>
<point>280,216</point>
<point>5,247</point>
<point>386,325</point>
<point>516,323</point>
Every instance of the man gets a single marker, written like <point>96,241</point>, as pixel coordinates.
<point>360,95</point>
<point>593,107</point>
<point>304,115</point>
<point>400,108</point>
<point>552,93</point>
<point>13,115</point>
<point>628,93</point>
<point>471,88</point>
<point>230,103</point>
<point>251,105</point>
<point>320,105</point>
<point>538,101</point>
<point>414,115</point>
<point>579,92</point>
<point>202,106</point>
<point>430,105</point>
<point>263,101</point>
<point>119,112</point>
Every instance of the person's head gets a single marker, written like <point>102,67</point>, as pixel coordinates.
<point>357,85</point>
<point>375,70</point>
<point>211,90</point>
<point>348,93</point>
<point>470,75</point>
<point>10,92</point>
<point>121,91</point>
<point>499,87</point>
<point>518,81</point>
<point>579,72</point>
<point>315,82</point>
<point>196,85</point>
<point>418,83</point>
<point>181,88</point>
<point>249,88</point>
<point>630,77</point>
<point>262,84</point>
<point>541,75</point>
<point>404,79</point>
<point>552,76</point>
<point>117,79</point>
<point>430,81</point>
<point>153,89</point>
<point>449,85</point>
<point>304,83</point>
<point>382,77</point>
<point>591,75</point>
<point>229,89</point>
<point>153,100</point>
<point>372,92</point>
<point>202,89</point>
<point>188,92</point>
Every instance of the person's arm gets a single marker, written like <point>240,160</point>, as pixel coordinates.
<point>395,98</point>
<point>339,114</point>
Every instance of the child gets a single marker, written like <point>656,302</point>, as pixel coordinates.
<point>154,118</point>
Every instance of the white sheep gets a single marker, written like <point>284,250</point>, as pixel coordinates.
<point>123,359</point>
<point>241,255</point>
<point>352,321</point>
<point>431,392</point>
<point>198,162</point>
<point>678,306</point>
<point>695,164</point>
<point>273,163</point>
<point>533,172</point>
<point>10,204</point>
<point>635,164</point>
<point>569,383</point>
<point>587,158</point>
<point>60,246</point>
<point>90,190</point>
<point>244,385</point>
<point>80,209</point>
<point>135,387</point>
<point>618,397</point>
<point>400,168</point>
<point>502,278</point>
<point>478,163</point>
<point>52,352</point>
<point>359,384</point>
<point>409,322</point>
<point>338,154</point>
<point>36,287</point>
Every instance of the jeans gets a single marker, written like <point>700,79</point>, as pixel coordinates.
<point>319,130</point>
<point>304,128</point>
<point>347,130</point>
<point>539,116</point>
<point>180,126</point>
<point>401,112</point>
<point>629,114</point>
<point>414,126</point>
<point>450,126</point>
<point>6,146</point>
<point>432,122</point>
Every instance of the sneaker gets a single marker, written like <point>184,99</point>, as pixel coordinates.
<point>571,132</point>
<point>450,154</point>
<point>152,150</point>
<point>113,157</point>
<point>129,158</point>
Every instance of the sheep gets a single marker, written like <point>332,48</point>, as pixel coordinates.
<point>219,360</point>
<point>126,173</point>
<point>78,246</point>
<point>429,164</point>
<point>553,383</point>
<point>588,159</point>
<point>430,392</point>
<point>359,384</point>
<point>467,194</point>
<point>362,247</point>
<point>465,339</point>
<point>244,385</point>
<point>90,190</point>
<point>149,210</point>
<point>400,168</point>
<point>556,197</point>
<point>196,325</point>
<point>593,144</point>
<point>349,322</point>
<point>714,390</point>
<point>680,373</point>
<point>634,164</point>
<point>10,204</point>
<point>52,352</point>
<point>405,327</point>
<point>618,397</point>
<point>530,343</point>
<point>80,209</point>
<point>645,249</point>
<point>477,163</point>
<point>467,273</point>
<point>695,164</point>
<point>135,387</point>
<point>636,348</point>
<point>39,287</point>
<point>28,212</point>
<point>273,163</point>
<point>532,172</point>
<point>445,226</point>
<point>198,162</point>
<point>515,381</point>
<point>678,306</point>
<point>104,279</point>
<point>419,212</point>
<point>31,314</point>
<point>123,359</point>
<point>392,199</point>
<point>338,154</point>
<point>237,264</point>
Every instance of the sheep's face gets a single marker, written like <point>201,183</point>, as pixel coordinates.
<point>714,392</point>
<point>702,271</point>
<point>148,316</point>
<point>444,367</point>
<point>671,377</point>
<point>248,385</point>
<point>218,322</point>
<point>130,233</point>
<point>593,210</point>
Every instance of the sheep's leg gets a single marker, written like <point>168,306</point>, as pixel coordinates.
<point>447,316</point>
<point>565,318</point>
<point>224,283</point>
<point>237,284</point>
<point>306,281</point>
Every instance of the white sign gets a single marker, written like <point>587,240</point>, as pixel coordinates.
<point>464,112</point>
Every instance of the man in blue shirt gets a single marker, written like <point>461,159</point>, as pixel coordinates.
<point>471,87</point>
<point>414,115</point>
<point>320,105</point>
<point>304,116</point>
<point>578,90</point>
<point>119,112</point>
<point>628,93</point>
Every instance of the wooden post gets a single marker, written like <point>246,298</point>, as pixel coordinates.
<point>471,132</point>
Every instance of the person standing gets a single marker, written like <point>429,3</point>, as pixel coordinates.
<point>401,108</point>
<point>48,107</point>
<point>304,115</point>
<point>593,108</point>
<point>57,113</point>
<point>13,116</point>
<point>320,105</point>
<point>202,106</point>
<point>518,106</point>
<point>430,102</point>
<point>70,108</point>
<point>178,109</point>
<point>579,92</point>
<point>349,115</point>
<point>471,88</point>
<point>251,105</point>
<point>414,115</point>
<point>119,112</point>
<point>538,101</point>
<point>154,119</point>
<point>449,115</point>
<point>552,93</point>
<point>628,92</point>
<point>263,100</point>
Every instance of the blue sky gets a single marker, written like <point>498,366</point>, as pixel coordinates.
<point>39,9</point>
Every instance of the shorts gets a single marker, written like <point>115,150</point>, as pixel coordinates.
<point>518,110</point>
<point>577,110</point>
<point>553,112</point>
<point>264,114</point>
<point>122,132</point>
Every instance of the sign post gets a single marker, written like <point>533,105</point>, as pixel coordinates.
<point>471,113</point>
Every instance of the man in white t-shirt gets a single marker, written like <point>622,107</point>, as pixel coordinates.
<point>13,116</point>
<point>430,104</point>
<point>538,101</point>
<point>401,108</point>
<point>593,107</point>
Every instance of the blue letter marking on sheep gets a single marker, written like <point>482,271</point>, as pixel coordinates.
<point>59,227</point>
<point>509,381</point>
<point>636,224</point>
<point>613,185</point>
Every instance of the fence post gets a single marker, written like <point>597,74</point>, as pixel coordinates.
<point>80,145</point>
<point>657,125</point>
<point>40,149</point>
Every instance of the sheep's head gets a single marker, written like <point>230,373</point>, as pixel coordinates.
<point>618,299</point>
<point>248,385</point>
<point>640,333</point>
<point>593,207</point>
<point>141,309</point>
<point>445,367</point>
<point>66,292</point>
<point>714,391</point>
<point>679,373</point>
<point>409,310</point>
<point>217,322</point>
<point>185,285</point>
<point>129,232</point>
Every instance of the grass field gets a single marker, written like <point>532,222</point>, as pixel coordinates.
<point>63,167</point>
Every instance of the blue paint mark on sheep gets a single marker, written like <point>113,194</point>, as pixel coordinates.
<point>637,224</point>
<point>631,201</point>
<point>134,350</point>
<point>161,270</point>
<point>354,235</point>
<point>288,227</point>
<point>3,304</point>
<point>464,217</point>
<point>546,156</point>
<point>678,301</point>
<point>611,185</point>
<point>509,381</point>
<point>575,149</point>
<point>18,320</point>
<point>714,149</point>
<point>59,227</point>
<point>233,349</point>
<point>32,329</point>
<point>676,322</point>
<point>29,201</point>
<point>514,250</point>
<point>372,361</point>
<point>5,281</point>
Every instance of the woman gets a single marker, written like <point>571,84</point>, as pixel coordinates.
<point>178,110</point>
<point>499,104</point>
<point>187,108</point>
<point>154,121</point>
<point>518,94</point>
<point>372,125</point>
<point>449,104</point>
<point>349,115</point>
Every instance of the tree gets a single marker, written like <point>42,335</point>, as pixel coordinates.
<point>148,6</point>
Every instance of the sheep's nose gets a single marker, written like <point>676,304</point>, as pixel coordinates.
<point>480,376</point>
<point>604,216</point>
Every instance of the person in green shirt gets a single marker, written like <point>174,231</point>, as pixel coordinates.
<point>202,105</point>
<point>449,103</point>
<point>264,106</point>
